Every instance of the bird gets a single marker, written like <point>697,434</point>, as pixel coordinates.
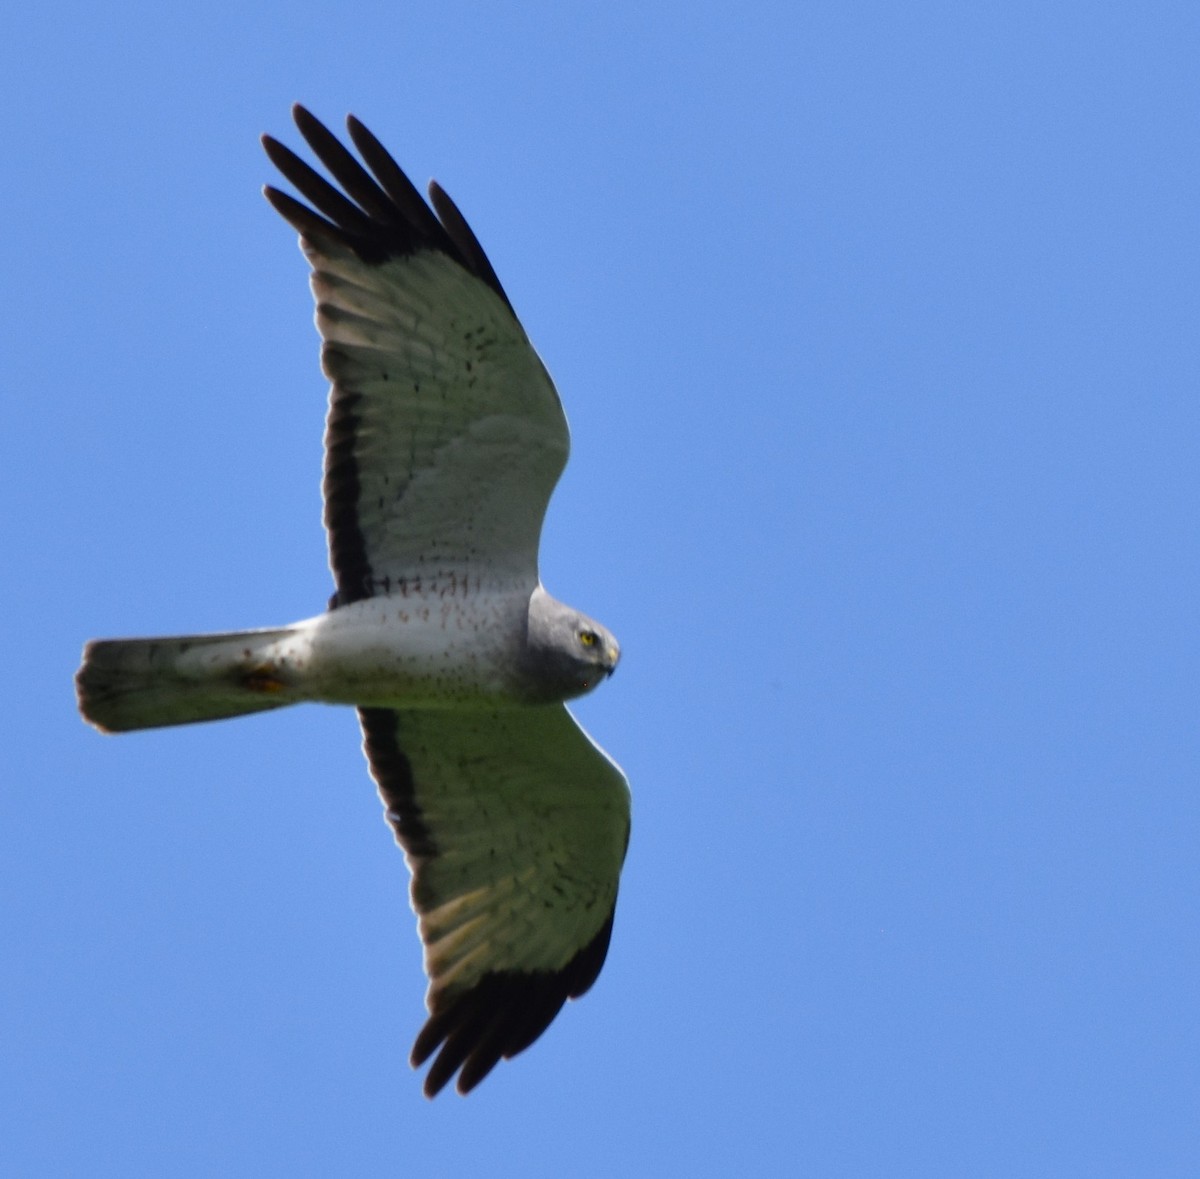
<point>444,440</point>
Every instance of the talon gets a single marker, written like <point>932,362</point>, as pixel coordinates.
<point>262,679</point>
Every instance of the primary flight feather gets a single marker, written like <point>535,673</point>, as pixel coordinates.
<point>444,440</point>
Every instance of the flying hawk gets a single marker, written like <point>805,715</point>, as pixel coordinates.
<point>444,440</point>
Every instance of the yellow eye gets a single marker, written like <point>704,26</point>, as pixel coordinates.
<point>588,638</point>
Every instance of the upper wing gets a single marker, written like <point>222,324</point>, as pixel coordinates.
<point>445,435</point>
<point>515,825</point>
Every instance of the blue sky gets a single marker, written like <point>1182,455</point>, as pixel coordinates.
<point>877,329</point>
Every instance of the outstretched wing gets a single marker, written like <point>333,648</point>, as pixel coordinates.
<point>514,824</point>
<point>445,435</point>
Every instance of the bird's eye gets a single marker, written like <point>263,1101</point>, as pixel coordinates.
<point>588,638</point>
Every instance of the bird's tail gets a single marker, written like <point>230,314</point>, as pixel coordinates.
<point>126,684</point>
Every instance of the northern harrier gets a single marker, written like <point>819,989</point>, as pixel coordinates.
<point>443,443</point>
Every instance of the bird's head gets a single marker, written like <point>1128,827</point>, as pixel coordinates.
<point>567,652</point>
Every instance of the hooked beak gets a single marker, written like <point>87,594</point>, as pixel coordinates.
<point>611,658</point>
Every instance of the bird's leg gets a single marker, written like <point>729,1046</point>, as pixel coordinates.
<point>264,678</point>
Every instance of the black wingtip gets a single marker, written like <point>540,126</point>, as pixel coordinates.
<point>302,219</point>
<point>501,1016</point>
<point>377,212</point>
<point>464,238</point>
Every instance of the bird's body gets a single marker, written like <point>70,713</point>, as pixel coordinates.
<point>432,646</point>
<point>444,440</point>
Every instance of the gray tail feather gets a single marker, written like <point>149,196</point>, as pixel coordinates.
<point>126,684</point>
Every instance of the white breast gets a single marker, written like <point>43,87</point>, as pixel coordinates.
<point>437,642</point>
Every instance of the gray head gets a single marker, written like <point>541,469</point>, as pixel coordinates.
<point>566,653</point>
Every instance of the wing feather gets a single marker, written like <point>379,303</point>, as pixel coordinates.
<point>445,435</point>
<point>515,826</point>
